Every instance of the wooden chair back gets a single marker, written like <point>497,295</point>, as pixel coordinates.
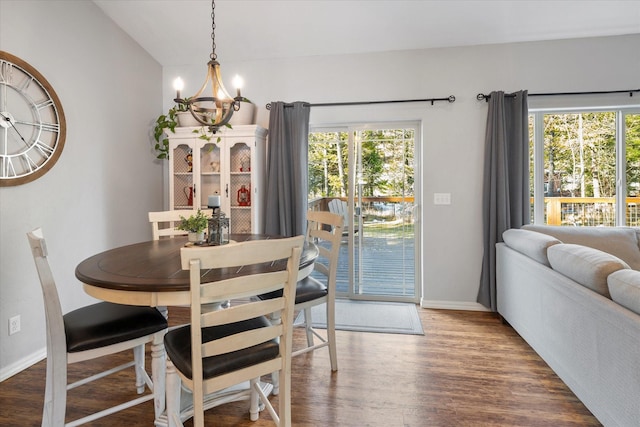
<point>163,223</point>
<point>248,259</point>
<point>56,336</point>
<point>150,329</point>
<point>325,229</point>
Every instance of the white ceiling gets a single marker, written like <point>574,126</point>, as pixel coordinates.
<point>178,32</point>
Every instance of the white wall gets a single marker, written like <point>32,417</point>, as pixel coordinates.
<point>453,134</point>
<point>98,194</point>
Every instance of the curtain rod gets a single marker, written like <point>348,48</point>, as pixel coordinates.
<point>450,99</point>
<point>482,96</point>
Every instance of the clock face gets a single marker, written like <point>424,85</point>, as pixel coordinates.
<point>32,123</point>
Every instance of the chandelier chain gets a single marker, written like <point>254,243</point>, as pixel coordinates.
<point>213,111</point>
<point>213,31</point>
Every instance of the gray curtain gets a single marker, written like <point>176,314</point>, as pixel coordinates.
<point>286,196</point>
<point>506,181</point>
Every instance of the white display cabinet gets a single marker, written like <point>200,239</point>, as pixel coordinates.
<point>230,164</point>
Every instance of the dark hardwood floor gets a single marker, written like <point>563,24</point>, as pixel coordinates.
<point>468,369</point>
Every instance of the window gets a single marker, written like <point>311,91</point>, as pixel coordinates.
<point>585,167</point>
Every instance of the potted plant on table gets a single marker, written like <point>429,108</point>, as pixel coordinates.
<point>195,225</point>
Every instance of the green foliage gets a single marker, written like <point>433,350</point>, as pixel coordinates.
<point>580,155</point>
<point>328,169</point>
<point>206,136</point>
<point>166,122</point>
<point>632,138</point>
<point>195,223</point>
<point>387,163</point>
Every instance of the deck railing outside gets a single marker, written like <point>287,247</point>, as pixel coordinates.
<point>593,211</point>
<point>373,208</point>
<point>576,211</point>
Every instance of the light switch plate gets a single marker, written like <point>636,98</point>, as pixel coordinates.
<point>441,198</point>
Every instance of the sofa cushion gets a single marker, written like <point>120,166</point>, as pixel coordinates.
<point>624,286</point>
<point>587,266</point>
<point>532,244</point>
<point>621,242</point>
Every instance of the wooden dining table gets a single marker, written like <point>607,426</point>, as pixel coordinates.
<point>150,274</point>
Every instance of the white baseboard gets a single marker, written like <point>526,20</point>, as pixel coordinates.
<point>22,364</point>
<point>453,305</point>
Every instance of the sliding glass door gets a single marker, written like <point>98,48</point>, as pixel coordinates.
<point>372,169</point>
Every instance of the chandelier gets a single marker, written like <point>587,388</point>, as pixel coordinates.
<point>216,110</point>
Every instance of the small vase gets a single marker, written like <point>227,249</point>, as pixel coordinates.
<point>196,237</point>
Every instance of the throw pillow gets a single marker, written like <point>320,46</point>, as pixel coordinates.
<point>587,266</point>
<point>618,241</point>
<point>624,286</point>
<point>532,244</point>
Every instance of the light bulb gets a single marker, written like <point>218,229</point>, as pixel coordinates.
<point>178,85</point>
<point>238,83</point>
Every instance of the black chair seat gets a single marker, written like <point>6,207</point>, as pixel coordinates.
<point>178,347</point>
<point>104,324</point>
<point>307,289</point>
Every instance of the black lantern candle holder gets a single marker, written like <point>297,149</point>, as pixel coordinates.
<point>218,229</point>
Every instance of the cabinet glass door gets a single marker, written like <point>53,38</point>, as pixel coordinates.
<point>210,183</point>
<point>239,188</point>
<point>183,188</point>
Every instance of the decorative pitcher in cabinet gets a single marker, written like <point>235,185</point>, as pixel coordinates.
<point>188,192</point>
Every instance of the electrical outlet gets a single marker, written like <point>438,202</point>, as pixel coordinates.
<point>14,325</point>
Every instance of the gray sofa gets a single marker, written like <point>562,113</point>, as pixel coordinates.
<point>573,293</point>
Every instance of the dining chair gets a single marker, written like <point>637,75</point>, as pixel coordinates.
<point>325,230</point>
<point>163,223</point>
<point>222,348</point>
<point>88,333</point>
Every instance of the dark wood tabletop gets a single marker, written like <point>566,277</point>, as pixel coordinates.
<point>154,266</point>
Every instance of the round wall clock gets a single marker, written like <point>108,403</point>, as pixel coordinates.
<point>32,123</point>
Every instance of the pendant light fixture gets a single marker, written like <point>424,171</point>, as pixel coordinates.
<point>213,111</point>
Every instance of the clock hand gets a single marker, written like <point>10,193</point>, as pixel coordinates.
<point>14,127</point>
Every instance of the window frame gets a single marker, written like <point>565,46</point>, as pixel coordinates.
<point>621,111</point>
